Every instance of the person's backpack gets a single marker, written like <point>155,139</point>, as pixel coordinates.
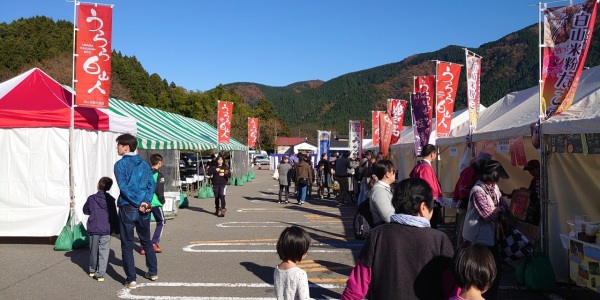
<point>363,220</point>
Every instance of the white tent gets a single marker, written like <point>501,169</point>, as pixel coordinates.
<point>572,186</point>
<point>34,145</point>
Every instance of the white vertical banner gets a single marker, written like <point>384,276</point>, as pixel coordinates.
<point>355,138</point>
<point>323,137</point>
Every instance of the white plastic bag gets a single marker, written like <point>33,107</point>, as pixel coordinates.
<point>276,175</point>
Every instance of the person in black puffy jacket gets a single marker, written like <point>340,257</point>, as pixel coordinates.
<point>220,176</point>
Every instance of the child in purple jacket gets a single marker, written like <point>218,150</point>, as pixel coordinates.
<point>103,220</point>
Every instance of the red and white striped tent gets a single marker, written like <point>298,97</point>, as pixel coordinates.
<point>35,116</point>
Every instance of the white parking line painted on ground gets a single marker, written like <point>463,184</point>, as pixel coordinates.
<point>190,249</point>
<point>280,224</point>
<point>286,209</point>
<point>125,293</point>
<point>349,245</point>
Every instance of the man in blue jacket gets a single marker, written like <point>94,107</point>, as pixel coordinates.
<point>136,183</point>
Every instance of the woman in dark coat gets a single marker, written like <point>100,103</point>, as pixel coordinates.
<point>220,176</point>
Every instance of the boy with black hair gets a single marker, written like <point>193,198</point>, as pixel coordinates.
<point>158,200</point>
<point>102,222</point>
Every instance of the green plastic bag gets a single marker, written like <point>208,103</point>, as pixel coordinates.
<point>244,178</point>
<point>535,272</point>
<point>202,193</point>
<point>64,242</point>
<point>81,238</point>
<point>184,202</point>
<point>209,192</point>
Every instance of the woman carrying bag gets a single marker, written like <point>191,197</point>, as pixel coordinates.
<point>486,205</point>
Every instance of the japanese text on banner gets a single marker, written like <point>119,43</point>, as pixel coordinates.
<point>225,111</point>
<point>93,52</point>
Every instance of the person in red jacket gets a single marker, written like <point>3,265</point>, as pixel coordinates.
<point>424,170</point>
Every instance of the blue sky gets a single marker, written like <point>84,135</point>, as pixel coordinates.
<point>200,44</point>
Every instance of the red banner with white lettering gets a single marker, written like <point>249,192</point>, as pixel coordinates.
<point>252,131</point>
<point>385,133</point>
<point>567,35</point>
<point>375,127</point>
<point>447,85</point>
<point>396,109</point>
<point>225,112</point>
<point>93,55</point>
<point>473,81</point>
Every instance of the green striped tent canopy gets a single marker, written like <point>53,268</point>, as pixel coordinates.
<point>159,129</point>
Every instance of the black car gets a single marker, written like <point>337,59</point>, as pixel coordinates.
<point>190,162</point>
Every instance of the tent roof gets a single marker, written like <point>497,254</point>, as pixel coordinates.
<point>512,115</point>
<point>158,129</point>
<point>460,117</point>
<point>584,113</point>
<point>34,99</point>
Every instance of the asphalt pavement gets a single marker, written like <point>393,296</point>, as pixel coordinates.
<point>207,257</point>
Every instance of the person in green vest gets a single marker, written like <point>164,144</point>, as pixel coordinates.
<point>158,200</point>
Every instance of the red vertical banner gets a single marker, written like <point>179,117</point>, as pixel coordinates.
<point>396,109</point>
<point>225,112</point>
<point>446,87</point>
<point>567,35</point>
<point>517,152</point>
<point>252,131</point>
<point>355,138</point>
<point>93,55</point>
<point>375,127</point>
<point>385,132</point>
<point>473,88</point>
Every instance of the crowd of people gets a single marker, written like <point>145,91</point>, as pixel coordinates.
<point>405,256</point>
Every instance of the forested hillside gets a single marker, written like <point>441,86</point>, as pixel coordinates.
<point>48,44</point>
<point>299,109</point>
<point>509,64</point>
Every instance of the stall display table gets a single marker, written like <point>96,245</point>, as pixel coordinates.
<point>584,261</point>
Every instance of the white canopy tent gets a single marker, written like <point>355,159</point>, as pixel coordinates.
<point>34,145</point>
<point>572,184</point>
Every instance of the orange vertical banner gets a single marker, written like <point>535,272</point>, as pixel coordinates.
<point>225,112</point>
<point>446,87</point>
<point>567,35</point>
<point>375,127</point>
<point>252,131</point>
<point>385,133</point>
<point>93,55</point>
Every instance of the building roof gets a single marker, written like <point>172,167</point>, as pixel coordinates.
<point>289,141</point>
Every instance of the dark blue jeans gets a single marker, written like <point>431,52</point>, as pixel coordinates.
<point>132,218</point>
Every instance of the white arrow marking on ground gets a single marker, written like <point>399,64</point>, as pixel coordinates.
<point>125,293</point>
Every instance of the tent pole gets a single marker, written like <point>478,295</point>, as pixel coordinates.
<point>72,118</point>
<point>543,158</point>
